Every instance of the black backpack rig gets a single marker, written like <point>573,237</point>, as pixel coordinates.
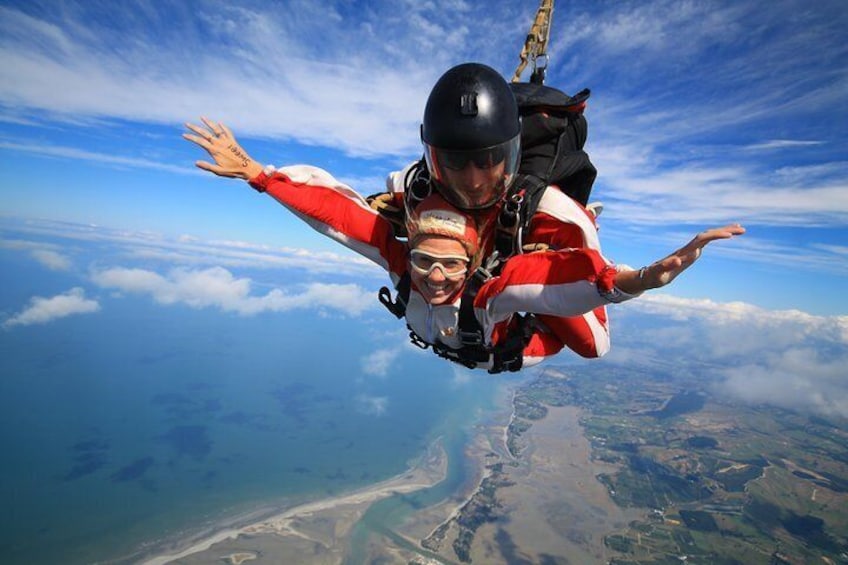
<point>553,133</point>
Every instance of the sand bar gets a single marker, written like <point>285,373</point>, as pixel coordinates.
<point>426,472</point>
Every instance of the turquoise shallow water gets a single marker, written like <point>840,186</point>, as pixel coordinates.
<point>143,422</point>
<point>383,516</point>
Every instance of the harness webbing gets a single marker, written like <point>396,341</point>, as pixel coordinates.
<point>506,356</point>
<point>536,44</point>
<point>515,216</point>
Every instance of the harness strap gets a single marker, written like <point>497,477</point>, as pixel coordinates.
<point>509,356</point>
<point>509,227</point>
<point>470,331</point>
<point>516,214</point>
<point>468,356</point>
<point>536,44</point>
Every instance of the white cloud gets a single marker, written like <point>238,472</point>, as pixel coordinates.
<point>44,253</point>
<point>258,256</point>
<point>43,310</point>
<point>785,358</point>
<point>268,78</point>
<point>795,378</point>
<point>217,287</point>
<point>52,260</point>
<point>379,362</point>
<point>781,144</point>
<point>781,327</point>
<point>677,146</point>
<point>644,191</point>
<point>371,405</point>
<point>655,28</point>
<point>840,250</point>
<point>325,77</point>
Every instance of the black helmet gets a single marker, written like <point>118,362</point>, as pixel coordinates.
<point>471,117</point>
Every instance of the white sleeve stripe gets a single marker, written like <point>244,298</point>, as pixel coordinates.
<point>557,205</point>
<point>600,334</point>
<point>367,251</point>
<point>315,177</point>
<point>567,299</point>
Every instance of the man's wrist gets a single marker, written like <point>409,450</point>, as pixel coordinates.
<point>252,170</point>
<point>261,176</point>
<point>630,281</point>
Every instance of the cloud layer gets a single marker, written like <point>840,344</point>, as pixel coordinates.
<point>785,358</point>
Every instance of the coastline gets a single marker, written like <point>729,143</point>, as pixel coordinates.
<point>548,489</point>
<point>311,521</point>
<point>550,486</point>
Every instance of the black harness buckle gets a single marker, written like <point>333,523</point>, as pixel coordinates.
<point>470,337</point>
<point>397,308</point>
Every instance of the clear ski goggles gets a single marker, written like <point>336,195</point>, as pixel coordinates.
<point>452,266</point>
<point>447,167</point>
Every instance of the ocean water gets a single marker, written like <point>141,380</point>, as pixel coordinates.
<point>143,422</point>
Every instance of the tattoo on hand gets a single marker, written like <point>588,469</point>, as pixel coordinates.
<point>236,150</point>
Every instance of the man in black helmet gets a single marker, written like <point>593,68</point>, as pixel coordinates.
<point>472,136</point>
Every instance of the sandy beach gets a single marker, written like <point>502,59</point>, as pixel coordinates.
<point>318,527</point>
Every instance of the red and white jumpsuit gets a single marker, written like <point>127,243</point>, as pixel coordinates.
<point>561,223</point>
<point>560,283</point>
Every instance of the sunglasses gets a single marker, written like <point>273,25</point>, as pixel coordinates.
<point>452,266</point>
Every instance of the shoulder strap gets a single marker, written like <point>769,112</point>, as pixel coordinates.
<point>522,202</point>
<point>394,203</point>
<point>416,185</point>
<point>470,330</point>
<point>506,356</point>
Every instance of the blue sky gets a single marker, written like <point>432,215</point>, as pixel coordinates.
<point>702,113</point>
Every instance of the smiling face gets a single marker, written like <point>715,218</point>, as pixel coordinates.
<point>435,287</point>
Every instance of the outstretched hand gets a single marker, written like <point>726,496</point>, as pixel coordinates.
<point>230,159</point>
<point>666,270</point>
